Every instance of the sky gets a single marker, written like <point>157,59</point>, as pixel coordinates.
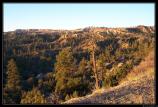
<point>74,16</point>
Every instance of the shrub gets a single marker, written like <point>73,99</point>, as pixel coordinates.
<point>33,97</point>
<point>67,97</point>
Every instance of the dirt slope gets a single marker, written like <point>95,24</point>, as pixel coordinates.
<point>137,88</point>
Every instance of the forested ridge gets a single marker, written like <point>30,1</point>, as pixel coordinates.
<point>52,66</point>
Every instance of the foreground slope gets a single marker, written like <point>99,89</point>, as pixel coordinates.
<point>137,88</point>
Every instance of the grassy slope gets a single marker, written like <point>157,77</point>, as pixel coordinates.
<point>137,88</point>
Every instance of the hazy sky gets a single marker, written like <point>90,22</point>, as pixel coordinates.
<point>72,16</point>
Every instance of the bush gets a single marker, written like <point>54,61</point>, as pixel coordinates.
<point>75,94</point>
<point>113,81</point>
<point>33,97</point>
<point>67,97</point>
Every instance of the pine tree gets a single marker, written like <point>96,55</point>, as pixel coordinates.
<point>85,71</point>
<point>65,61</point>
<point>12,88</point>
<point>82,66</point>
<point>33,97</point>
<point>13,77</point>
<point>65,69</point>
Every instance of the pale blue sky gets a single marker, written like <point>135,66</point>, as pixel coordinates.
<point>72,16</point>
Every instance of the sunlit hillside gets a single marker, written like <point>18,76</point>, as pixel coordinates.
<point>93,64</point>
<point>138,87</point>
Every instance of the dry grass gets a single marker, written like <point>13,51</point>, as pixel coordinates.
<point>145,68</point>
<point>137,88</point>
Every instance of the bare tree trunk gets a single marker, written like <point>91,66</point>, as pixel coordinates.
<point>101,78</point>
<point>95,70</point>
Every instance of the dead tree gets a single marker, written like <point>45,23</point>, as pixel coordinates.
<point>93,43</point>
<point>95,69</point>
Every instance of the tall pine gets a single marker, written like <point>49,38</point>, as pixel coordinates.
<point>65,69</point>
<point>13,87</point>
<point>13,77</point>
